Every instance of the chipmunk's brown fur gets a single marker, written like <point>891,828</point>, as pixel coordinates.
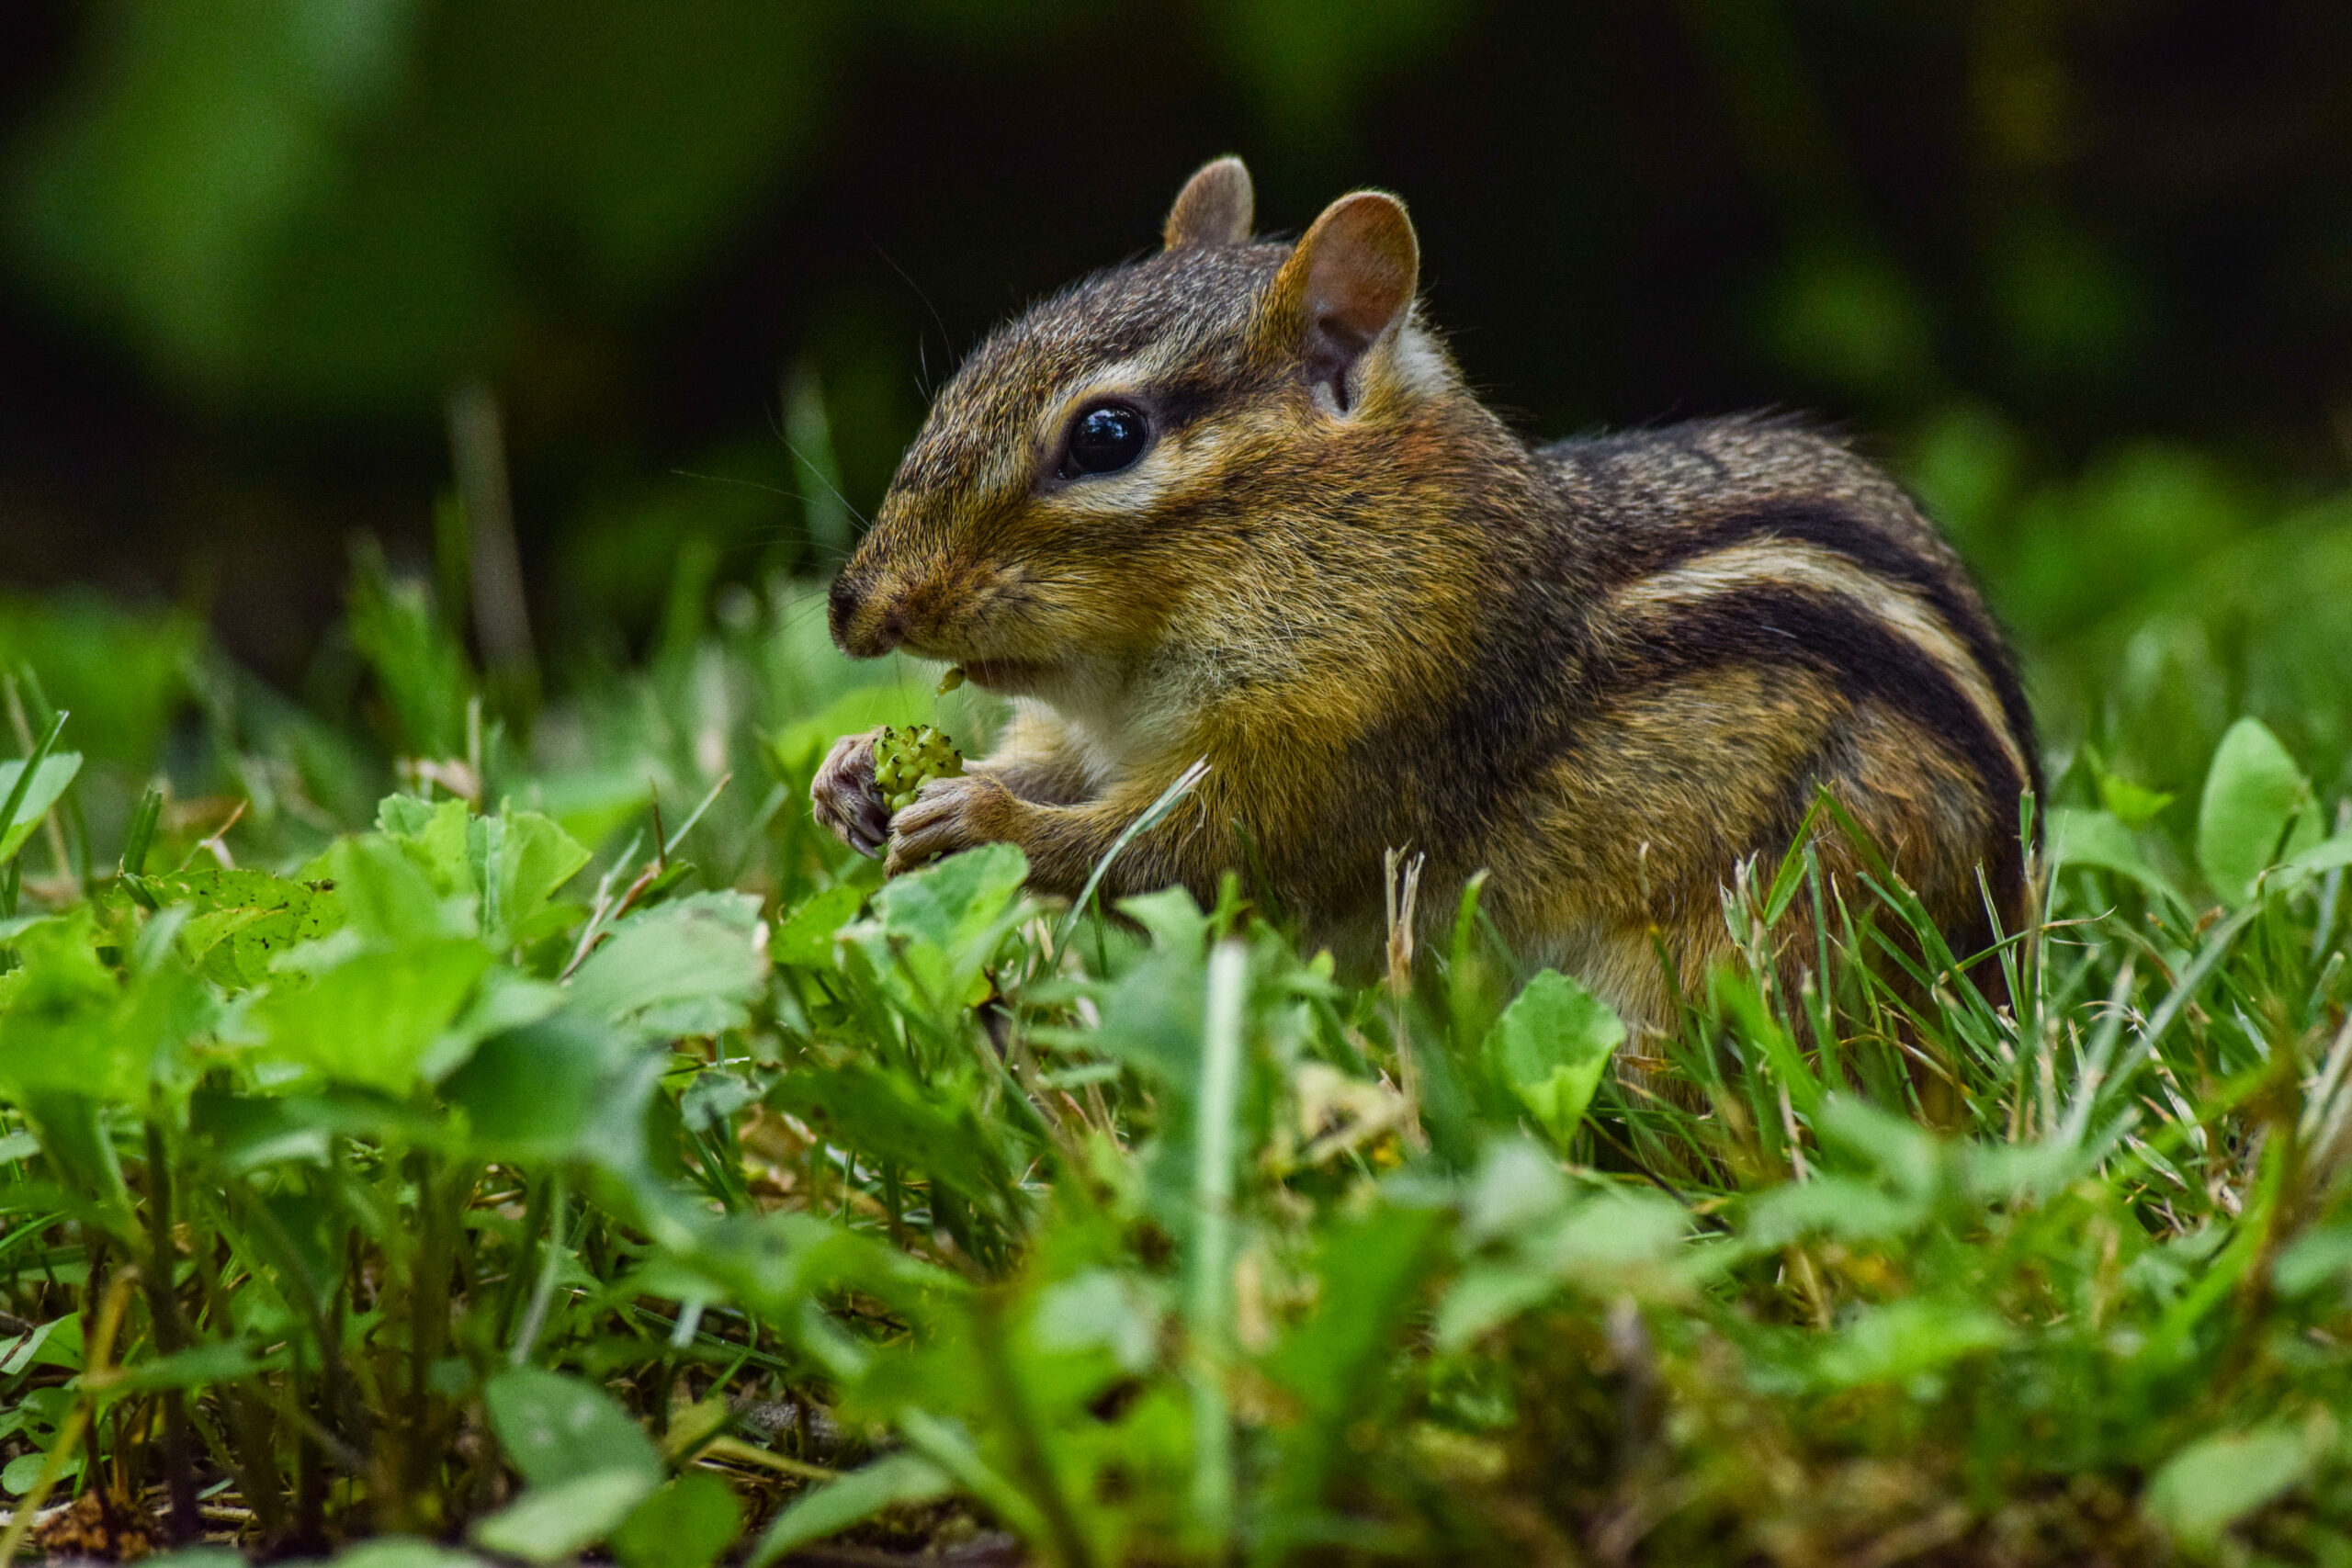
<point>1603,670</point>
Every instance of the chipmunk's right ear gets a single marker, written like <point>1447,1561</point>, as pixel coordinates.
<point>1348,283</point>
<point>1214,207</point>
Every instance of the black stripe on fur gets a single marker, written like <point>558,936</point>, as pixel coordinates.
<point>1825,526</point>
<point>1865,660</point>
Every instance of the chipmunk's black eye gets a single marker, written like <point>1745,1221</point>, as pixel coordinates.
<point>1104,440</point>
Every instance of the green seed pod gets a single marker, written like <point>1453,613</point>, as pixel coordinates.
<point>905,760</point>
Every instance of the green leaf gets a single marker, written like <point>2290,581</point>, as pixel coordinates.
<point>2333,854</point>
<point>569,1087</point>
<point>686,1524</point>
<point>245,1133</point>
<point>955,902</point>
<point>1612,1240</point>
<point>2312,1259</point>
<point>59,972</point>
<point>934,931</point>
<point>1550,1047</point>
<point>2135,805</point>
<point>557,1429</point>
<point>221,1361</point>
<point>76,1140</point>
<point>39,1415</point>
<point>556,1520</point>
<point>1100,1309</point>
<point>590,804</point>
<point>506,1000</point>
<point>2217,1481</point>
<point>62,1033</point>
<point>524,857</point>
<point>834,1507</point>
<point>1895,1147</point>
<point>508,865</point>
<point>1830,1205</point>
<point>887,1115</point>
<point>25,1469</point>
<point>29,1350</point>
<point>244,920</point>
<point>435,832</point>
<point>1151,1014</point>
<point>2253,793</point>
<point>689,967</point>
<point>377,1018</point>
<point>386,1552</point>
<point>1370,1272</point>
<point>390,892</point>
<point>1486,1294</point>
<point>49,781</point>
<point>229,1557</point>
<point>1517,1186</point>
<point>1904,1341</point>
<point>2099,839</point>
<point>805,941</point>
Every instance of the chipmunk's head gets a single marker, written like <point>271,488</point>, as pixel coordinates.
<point>1098,462</point>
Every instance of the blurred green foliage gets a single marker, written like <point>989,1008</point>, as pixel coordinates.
<point>343,205</point>
<point>126,673</point>
<point>338,202</point>
<point>2158,591</point>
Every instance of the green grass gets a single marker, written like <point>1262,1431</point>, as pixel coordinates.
<point>550,1145</point>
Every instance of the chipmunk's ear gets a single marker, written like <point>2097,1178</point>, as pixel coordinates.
<point>1348,285</point>
<point>1214,209</point>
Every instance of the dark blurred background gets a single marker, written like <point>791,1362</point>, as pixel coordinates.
<point>2080,269</point>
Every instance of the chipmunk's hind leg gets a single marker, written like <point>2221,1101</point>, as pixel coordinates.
<point>1893,805</point>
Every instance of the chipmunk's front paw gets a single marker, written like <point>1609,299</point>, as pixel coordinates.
<point>951,815</point>
<point>844,797</point>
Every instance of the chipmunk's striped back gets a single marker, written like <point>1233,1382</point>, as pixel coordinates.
<point>1762,577</point>
<point>1686,635</point>
<point>1233,502</point>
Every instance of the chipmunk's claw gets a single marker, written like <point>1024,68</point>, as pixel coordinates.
<point>844,797</point>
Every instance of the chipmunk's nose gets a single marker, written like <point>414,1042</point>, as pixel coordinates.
<point>864,625</point>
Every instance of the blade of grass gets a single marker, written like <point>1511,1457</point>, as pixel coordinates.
<point>33,759</point>
<point>2099,1082</point>
<point>1156,814</point>
<point>1207,1307</point>
<point>25,684</point>
<point>535,1317</point>
<point>95,1380</point>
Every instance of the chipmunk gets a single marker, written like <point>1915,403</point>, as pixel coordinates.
<point>1234,501</point>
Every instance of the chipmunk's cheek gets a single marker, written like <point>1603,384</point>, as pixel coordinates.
<point>949,815</point>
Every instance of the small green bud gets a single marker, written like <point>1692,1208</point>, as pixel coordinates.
<point>906,759</point>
